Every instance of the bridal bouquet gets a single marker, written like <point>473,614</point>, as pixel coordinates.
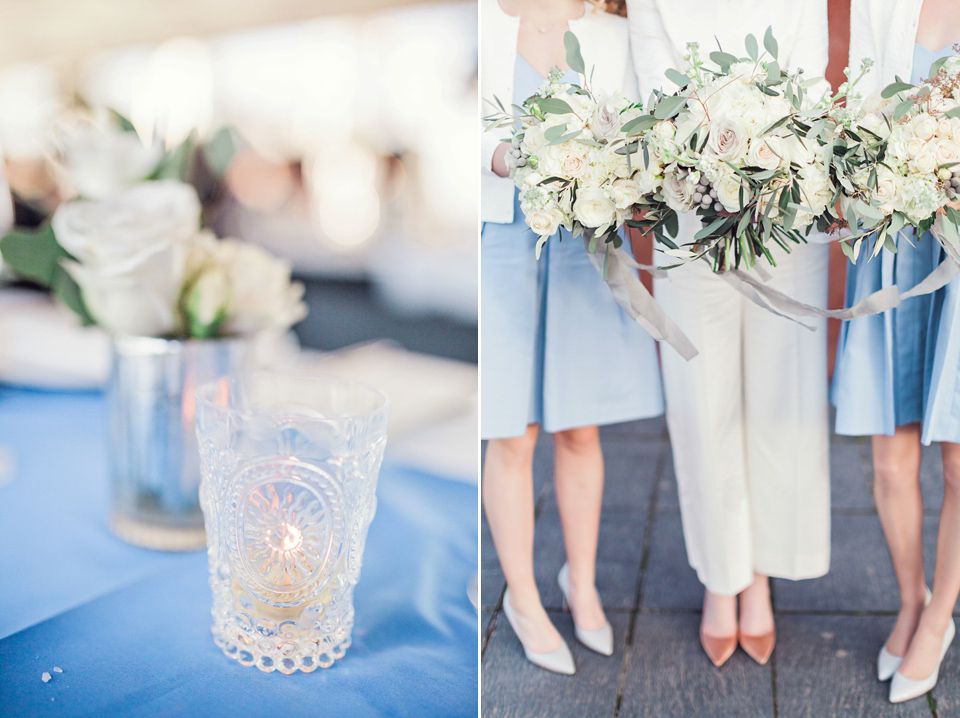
<point>566,157</point>
<point>898,161</point>
<point>738,143</point>
<point>137,262</point>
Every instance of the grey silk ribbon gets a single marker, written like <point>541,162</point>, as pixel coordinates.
<point>616,267</point>
<point>784,306</point>
<point>880,301</point>
<point>945,271</point>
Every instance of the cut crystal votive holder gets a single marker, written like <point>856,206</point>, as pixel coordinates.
<point>289,474</point>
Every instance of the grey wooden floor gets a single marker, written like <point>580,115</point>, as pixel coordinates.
<point>829,629</point>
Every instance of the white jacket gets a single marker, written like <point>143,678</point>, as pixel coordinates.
<point>886,32</point>
<point>661,29</point>
<point>604,44</point>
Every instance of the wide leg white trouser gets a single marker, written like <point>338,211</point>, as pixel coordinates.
<point>748,424</point>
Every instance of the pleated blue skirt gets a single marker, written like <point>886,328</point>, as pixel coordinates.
<point>901,366</point>
<point>555,347</point>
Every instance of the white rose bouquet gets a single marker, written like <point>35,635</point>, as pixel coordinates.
<point>566,161</point>
<point>136,262</point>
<point>897,160</point>
<point>738,143</point>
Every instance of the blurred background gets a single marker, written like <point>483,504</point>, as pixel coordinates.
<point>336,135</point>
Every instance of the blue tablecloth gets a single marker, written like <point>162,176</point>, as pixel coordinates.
<point>131,628</point>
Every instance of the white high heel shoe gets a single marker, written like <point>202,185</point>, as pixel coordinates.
<point>905,689</point>
<point>887,663</point>
<point>558,660</point>
<point>598,639</point>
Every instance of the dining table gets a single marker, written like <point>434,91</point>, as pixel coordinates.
<point>93,626</point>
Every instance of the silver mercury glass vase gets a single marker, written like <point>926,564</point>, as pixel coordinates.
<point>153,455</point>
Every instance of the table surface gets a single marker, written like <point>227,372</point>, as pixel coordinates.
<point>130,628</point>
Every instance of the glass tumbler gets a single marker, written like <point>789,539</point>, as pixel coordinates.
<point>289,473</point>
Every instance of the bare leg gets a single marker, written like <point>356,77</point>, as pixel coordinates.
<point>719,618</point>
<point>756,611</point>
<point>896,490</point>
<point>924,651</point>
<point>508,503</point>
<point>579,481</point>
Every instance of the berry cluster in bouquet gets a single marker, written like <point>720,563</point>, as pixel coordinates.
<point>896,159</point>
<point>566,157</point>
<point>739,143</point>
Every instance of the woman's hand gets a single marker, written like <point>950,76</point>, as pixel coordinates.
<point>499,164</point>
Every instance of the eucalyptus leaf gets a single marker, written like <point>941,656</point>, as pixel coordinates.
<point>894,87</point>
<point>955,112</point>
<point>770,42</point>
<point>551,134</point>
<point>638,125</point>
<point>677,78</point>
<point>901,110</point>
<point>574,58</point>
<point>848,251</point>
<point>554,106</point>
<point>540,242</point>
<point>751,44</point>
<point>669,107</point>
<point>773,72</point>
<point>723,59</point>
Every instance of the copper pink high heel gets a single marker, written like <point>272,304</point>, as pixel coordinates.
<point>759,648</point>
<point>718,650</point>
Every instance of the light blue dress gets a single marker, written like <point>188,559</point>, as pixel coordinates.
<point>901,366</point>
<point>555,348</point>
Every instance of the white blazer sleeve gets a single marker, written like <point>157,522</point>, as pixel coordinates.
<point>811,44</point>
<point>862,45</point>
<point>629,86</point>
<point>649,46</point>
<point>490,140</point>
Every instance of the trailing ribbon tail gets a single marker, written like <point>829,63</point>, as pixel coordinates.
<point>945,271</point>
<point>789,308</point>
<point>616,268</point>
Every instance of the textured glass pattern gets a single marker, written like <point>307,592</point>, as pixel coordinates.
<point>290,468</point>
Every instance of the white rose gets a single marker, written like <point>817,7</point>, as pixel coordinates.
<point>532,179</point>
<point>885,193</point>
<point>678,193</point>
<point>593,207</point>
<point>261,293</point>
<point>605,121</point>
<point>728,139</point>
<point>876,103</point>
<point>665,130</point>
<point>924,127</point>
<point>533,140</point>
<point>102,162</point>
<point>625,193</point>
<point>767,153</point>
<point>567,160</point>
<point>944,129</point>
<point>545,221</point>
<point>947,151</point>
<point>925,161</point>
<point>914,146</point>
<point>130,251</point>
<point>728,192</point>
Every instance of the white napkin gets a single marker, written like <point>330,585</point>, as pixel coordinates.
<point>42,344</point>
